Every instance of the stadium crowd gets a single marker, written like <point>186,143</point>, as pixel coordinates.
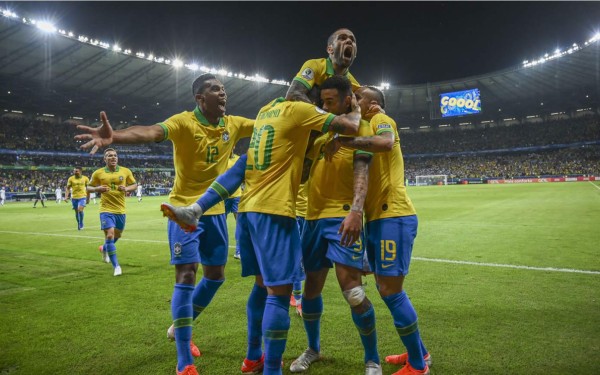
<point>581,161</point>
<point>502,137</point>
<point>20,181</point>
<point>19,134</point>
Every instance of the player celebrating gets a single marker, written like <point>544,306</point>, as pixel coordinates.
<point>202,142</point>
<point>331,234</point>
<point>113,181</point>
<point>273,173</point>
<point>391,227</point>
<point>79,196</point>
<point>341,48</point>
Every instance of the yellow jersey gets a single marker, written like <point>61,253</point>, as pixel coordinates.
<point>200,153</point>
<point>276,155</point>
<point>314,72</point>
<point>301,200</point>
<point>387,195</point>
<point>78,185</point>
<point>331,184</point>
<point>112,201</point>
<point>230,163</point>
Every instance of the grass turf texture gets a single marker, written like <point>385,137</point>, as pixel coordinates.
<point>62,311</point>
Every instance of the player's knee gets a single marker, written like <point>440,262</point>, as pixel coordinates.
<point>354,296</point>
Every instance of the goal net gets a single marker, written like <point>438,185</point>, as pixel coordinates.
<point>437,179</point>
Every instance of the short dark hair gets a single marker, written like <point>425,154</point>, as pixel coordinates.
<point>200,82</point>
<point>77,168</point>
<point>378,96</point>
<point>332,36</point>
<point>340,83</point>
<point>109,149</point>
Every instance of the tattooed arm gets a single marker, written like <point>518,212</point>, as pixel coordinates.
<point>352,224</point>
<point>297,92</point>
<point>383,142</point>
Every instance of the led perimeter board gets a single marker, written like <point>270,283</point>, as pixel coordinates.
<point>460,103</point>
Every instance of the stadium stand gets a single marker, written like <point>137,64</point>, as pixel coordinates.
<point>527,126</point>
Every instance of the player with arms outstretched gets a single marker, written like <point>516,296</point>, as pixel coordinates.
<point>202,142</point>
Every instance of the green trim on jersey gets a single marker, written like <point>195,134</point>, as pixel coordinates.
<point>325,127</point>
<point>361,152</point>
<point>329,69</point>
<point>200,117</point>
<point>109,171</point>
<point>381,131</point>
<point>302,81</point>
<point>277,101</point>
<point>165,130</point>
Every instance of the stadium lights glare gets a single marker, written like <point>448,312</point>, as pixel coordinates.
<point>15,111</point>
<point>444,125</point>
<point>47,114</point>
<point>558,53</point>
<point>532,116</point>
<point>77,118</point>
<point>45,26</point>
<point>464,123</point>
<point>176,63</point>
<point>424,127</point>
<point>405,128</point>
<point>508,119</point>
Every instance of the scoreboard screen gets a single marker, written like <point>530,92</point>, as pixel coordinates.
<point>460,103</point>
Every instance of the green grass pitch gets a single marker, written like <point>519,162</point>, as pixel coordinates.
<point>506,280</point>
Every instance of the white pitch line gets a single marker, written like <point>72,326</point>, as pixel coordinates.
<point>435,260</point>
<point>552,269</point>
<point>594,185</point>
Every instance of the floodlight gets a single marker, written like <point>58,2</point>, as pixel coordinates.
<point>45,26</point>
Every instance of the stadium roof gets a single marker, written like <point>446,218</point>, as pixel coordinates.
<point>46,71</point>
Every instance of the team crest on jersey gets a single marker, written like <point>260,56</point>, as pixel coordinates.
<point>120,178</point>
<point>225,136</point>
<point>308,74</point>
<point>320,111</point>
<point>177,249</point>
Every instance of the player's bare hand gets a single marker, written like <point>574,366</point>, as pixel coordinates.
<point>122,188</point>
<point>102,189</point>
<point>350,228</point>
<point>97,137</point>
<point>331,148</point>
<point>354,104</point>
<point>373,110</point>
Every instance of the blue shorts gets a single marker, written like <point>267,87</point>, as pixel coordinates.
<point>321,246</point>
<point>207,245</point>
<point>231,205</point>
<point>300,220</point>
<point>110,220</point>
<point>78,202</point>
<point>270,247</point>
<point>390,243</point>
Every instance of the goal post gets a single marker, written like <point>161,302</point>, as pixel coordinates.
<point>433,179</point>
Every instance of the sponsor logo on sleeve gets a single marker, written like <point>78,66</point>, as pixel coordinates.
<point>308,74</point>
